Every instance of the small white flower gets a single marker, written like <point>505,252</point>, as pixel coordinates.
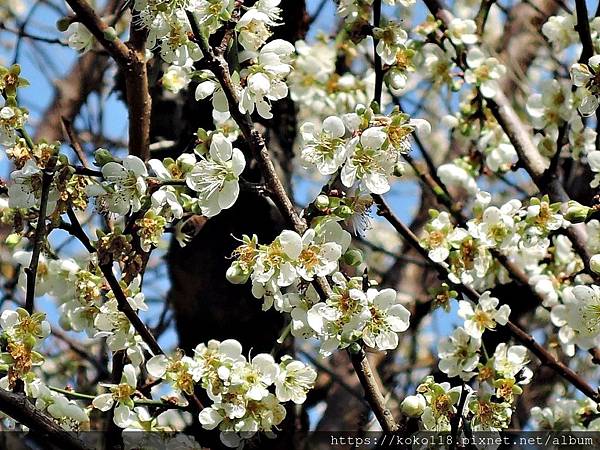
<point>294,380</point>
<point>483,72</point>
<point>325,149</point>
<point>462,31</point>
<point>215,177</point>
<point>459,355</point>
<point>123,187</point>
<point>388,318</point>
<point>79,37</point>
<point>485,316</point>
<point>369,162</point>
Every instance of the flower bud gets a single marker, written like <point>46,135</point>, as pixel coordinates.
<point>103,156</point>
<point>353,257</point>
<point>576,212</point>
<point>65,322</point>
<point>29,341</point>
<point>63,23</point>
<point>399,169</point>
<point>13,239</point>
<point>354,347</point>
<point>413,405</point>
<point>343,212</point>
<point>235,274</point>
<point>110,34</point>
<point>322,202</point>
<point>595,263</point>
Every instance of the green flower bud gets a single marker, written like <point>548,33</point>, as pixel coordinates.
<point>354,347</point>
<point>29,341</point>
<point>353,257</point>
<point>322,202</point>
<point>103,156</point>
<point>65,322</point>
<point>110,34</point>
<point>236,275</point>
<point>63,23</point>
<point>576,212</point>
<point>343,212</point>
<point>13,239</point>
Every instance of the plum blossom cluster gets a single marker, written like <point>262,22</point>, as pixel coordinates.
<point>522,233</point>
<point>22,337</point>
<point>265,64</point>
<point>288,259</point>
<point>370,154</point>
<point>314,82</point>
<point>494,382</point>
<point>349,315</point>
<point>246,394</point>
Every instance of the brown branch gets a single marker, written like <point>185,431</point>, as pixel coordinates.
<point>376,57</point>
<point>527,340</point>
<point>219,67</point>
<point>21,410</point>
<point>75,143</point>
<point>124,306</point>
<point>131,59</point>
<point>39,236</point>
<point>372,392</point>
<point>583,28</point>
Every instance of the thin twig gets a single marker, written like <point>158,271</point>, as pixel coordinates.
<point>75,143</point>
<point>39,236</point>
<point>583,28</point>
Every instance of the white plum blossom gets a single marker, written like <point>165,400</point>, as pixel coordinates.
<point>483,72</point>
<point>215,177</point>
<point>391,37</point>
<point>80,38</point>
<point>176,78</point>
<point>294,380</point>
<point>254,25</point>
<point>579,316</point>
<point>388,318</point>
<point>368,162</point>
<point>462,31</point>
<point>211,87</point>
<point>585,76</point>
<point>510,360</point>
<point>123,186</point>
<point>459,355</point>
<point>26,188</point>
<point>265,79</point>
<point>594,162</point>
<point>454,175</point>
<point>324,149</point>
<point>241,391</point>
<point>119,395</point>
<point>484,316</point>
<point>560,30</point>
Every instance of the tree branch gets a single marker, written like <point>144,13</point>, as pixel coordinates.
<point>131,59</point>
<point>21,410</point>
<point>256,143</point>
<point>40,232</point>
